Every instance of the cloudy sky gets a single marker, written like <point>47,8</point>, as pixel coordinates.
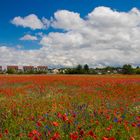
<point>69,32</point>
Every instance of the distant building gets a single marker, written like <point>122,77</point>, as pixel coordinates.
<point>42,68</point>
<point>28,68</point>
<point>55,71</point>
<point>15,68</point>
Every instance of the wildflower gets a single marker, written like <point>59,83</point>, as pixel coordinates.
<point>106,138</point>
<point>6,131</point>
<point>38,124</point>
<point>81,133</point>
<point>132,138</point>
<point>90,133</point>
<point>0,135</point>
<point>108,117</point>
<point>115,120</point>
<point>74,136</point>
<point>47,127</point>
<point>138,118</point>
<point>35,138</point>
<point>73,115</point>
<point>64,117</point>
<point>123,116</point>
<point>56,136</point>
<point>97,122</point>
<point>138,125</point>
<point>134,124</point>
<point>20,134</point>
<point>34,133</point>
<point>109,128</point>
<point>55,124</point>
<point>30,135</point>
<point>59,115</point>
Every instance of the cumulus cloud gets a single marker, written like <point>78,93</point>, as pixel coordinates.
<point>28,37</point>
<point>67,20</point>
<point>30,21</point>
<point>103,37</point>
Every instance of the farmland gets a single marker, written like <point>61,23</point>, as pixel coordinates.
<point>65,107</point>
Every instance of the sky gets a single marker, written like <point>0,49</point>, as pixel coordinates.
<point>64,33</point>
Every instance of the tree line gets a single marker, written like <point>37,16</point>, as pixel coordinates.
<point>125,69</point>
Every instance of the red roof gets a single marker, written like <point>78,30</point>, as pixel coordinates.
<point>42,67</point>
<point>12,67</point>
<point>28,67</point>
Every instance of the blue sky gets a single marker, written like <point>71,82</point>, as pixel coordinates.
<point>10,34</point>
<point>13,33</point>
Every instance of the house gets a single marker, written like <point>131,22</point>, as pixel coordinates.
<point>42,68</point>
<point>55,71</point>
<point>14,68</point>
<point>28,68</point>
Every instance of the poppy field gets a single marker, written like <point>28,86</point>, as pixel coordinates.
<point>66,107</point>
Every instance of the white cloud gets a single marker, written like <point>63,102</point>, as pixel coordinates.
<point>103,37</point>
<point>30,21</point>
<point>28,37</point>
<point>67,20</point>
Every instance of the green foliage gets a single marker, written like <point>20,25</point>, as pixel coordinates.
<point>79,69</point>
<point>137,71</point>
<point>11,71</point>
<point>127,69</point>
<point>86,68</point>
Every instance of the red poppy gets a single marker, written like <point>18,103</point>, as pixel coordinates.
<point>134,124</point>
<point>109,128</point>
<point>0,135</point>
<point>35,138</point>
<point>64,117</point>
<point>38,124</point>
<point>34,133</point>
<point>81,132</point>
<point>56,136</point>
<point>132,138</point>
<point>55,124</point>
<point>106,138</point>
<point>6,131</point>
<point>74,136</point>
<point>90,133</point>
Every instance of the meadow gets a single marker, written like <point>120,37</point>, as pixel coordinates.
<point>66,107</point>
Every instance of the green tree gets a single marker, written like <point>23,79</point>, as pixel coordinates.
<point>79,67</point>
<point>86,68</point>
<point>127,69</point>
<point>11,71</point>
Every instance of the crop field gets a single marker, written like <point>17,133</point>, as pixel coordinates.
<point>62,107</point>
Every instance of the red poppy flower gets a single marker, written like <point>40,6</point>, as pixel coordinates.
<point>35,138</point>
<point>6,131</point>
<point>55,124</point>
<point>56,136</point>
<point>134,124</point>
<point>91,134</point>
<point>132,138</point>
<point>38,124</point>
<point>0,135</point>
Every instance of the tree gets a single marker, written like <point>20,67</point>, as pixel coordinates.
<point>127,69</point>
<point>86,68</point>
<point>79,67</point>
<point>137,70</point>
<point>11,71</point>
